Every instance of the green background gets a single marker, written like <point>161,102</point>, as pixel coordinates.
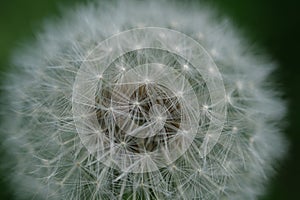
<point>270,24</point>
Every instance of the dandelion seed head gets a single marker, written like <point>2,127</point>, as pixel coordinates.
<point>139,100</point>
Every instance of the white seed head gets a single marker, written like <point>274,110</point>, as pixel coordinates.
<point>138,100</point>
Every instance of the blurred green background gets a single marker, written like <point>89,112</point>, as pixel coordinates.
<point>271,24</point>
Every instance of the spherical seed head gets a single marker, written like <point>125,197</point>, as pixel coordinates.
<point>136,110</point>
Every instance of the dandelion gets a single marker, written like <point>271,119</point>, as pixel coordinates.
<point>139,100</point>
